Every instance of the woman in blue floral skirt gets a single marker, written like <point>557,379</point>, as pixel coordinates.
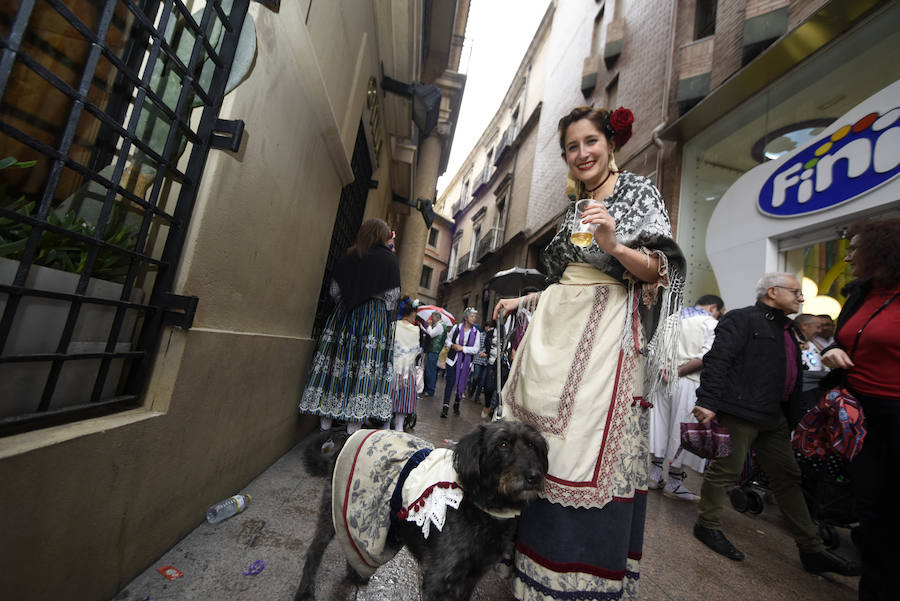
<point>352,372</point>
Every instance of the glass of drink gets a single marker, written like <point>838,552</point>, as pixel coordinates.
<point>582,233</point>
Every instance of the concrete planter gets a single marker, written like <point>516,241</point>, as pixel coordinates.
<point>37,328</point>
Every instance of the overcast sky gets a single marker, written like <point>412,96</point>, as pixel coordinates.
<point>499,32</point>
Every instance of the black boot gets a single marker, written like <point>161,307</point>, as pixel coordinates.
<point>456,407</point>
<point>826,561</point>
<point>444,410</point>
<point>715,540</point>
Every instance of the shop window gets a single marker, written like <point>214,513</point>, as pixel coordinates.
<point>705,19</point>
<point>823,274</point>
<point>425,279</point>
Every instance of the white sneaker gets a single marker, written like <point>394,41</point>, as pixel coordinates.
<point>655,481</point>
<point>676,490</point>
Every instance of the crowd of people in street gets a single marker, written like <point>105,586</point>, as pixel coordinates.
<point>608,362</point>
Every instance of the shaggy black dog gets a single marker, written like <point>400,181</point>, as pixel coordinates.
<point>500,466</point>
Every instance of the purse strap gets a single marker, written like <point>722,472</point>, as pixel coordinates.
<point>871,317</point>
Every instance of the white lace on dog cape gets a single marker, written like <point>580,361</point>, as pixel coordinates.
<point>431,488</point>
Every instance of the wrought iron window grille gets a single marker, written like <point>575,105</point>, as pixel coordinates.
<point>94,214</point>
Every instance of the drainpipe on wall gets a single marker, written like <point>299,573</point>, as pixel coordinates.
<point>664,113</point>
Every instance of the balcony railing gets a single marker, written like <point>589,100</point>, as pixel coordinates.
<point>484,179</point>
<point>488,243</point>
<point>463,264</point>
<point>506,143</point>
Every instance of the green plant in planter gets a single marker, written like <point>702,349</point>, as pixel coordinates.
<point>57,250</point>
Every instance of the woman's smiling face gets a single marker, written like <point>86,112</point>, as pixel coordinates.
<point>587,152</point>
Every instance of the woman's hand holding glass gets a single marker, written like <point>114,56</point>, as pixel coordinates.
<point>605,234</point>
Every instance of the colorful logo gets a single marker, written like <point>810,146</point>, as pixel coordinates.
<point>853,160</point>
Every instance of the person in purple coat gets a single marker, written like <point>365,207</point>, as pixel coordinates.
<point>463,342</point>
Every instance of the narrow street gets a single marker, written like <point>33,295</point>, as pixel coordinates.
<point>279,523</point>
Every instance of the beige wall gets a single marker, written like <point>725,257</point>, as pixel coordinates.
<point>92,504</point>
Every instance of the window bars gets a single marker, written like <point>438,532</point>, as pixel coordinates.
<point>105,153</point>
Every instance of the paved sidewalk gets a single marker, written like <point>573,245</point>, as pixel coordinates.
<point>279,524</point>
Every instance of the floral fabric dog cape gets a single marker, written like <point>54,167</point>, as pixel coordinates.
<point>368,472</point>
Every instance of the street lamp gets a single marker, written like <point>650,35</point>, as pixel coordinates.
<point>426,101</point>
<point>420,204</point>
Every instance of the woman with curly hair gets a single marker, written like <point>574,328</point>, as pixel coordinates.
<point>579,372</point>
<point>867,350</point>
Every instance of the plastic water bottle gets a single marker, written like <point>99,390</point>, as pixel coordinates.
<point>227,508</point>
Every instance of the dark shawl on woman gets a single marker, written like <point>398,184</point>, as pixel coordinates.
<point>361,278</point>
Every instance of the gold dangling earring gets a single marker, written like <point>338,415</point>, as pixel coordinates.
<point>611,164</point>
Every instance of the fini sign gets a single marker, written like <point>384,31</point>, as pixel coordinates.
<point>856,157</point>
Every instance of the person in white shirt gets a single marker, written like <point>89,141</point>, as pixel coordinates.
<point>670,409</point>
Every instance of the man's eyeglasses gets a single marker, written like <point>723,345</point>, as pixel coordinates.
<point>797,291</point>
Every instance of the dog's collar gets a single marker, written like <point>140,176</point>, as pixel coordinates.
<point>500,514</point>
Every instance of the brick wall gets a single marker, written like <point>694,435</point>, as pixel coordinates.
<point>728,40</point>
<point>641,72</point>
<point>695,58</point>
<point>756,8</point>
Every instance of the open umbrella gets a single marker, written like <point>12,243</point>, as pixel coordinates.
<point>425,312</point>
<point>511,282</point>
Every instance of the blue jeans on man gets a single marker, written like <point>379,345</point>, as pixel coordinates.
<point>431,360</point>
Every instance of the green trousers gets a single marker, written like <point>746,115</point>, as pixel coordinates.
<point>776,457</point>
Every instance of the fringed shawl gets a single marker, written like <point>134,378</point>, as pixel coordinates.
<point>642,223</point>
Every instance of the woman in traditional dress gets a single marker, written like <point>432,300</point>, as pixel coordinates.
<point>464,341</point>
<point>579,374</point>
<point>406,351</point>
<point>352,371</point>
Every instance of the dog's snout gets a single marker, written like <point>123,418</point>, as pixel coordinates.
<point>533,478</point>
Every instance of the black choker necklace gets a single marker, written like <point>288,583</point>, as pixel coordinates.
<point>608,173</point>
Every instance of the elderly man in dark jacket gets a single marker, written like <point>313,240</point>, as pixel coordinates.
<point>749,375</point>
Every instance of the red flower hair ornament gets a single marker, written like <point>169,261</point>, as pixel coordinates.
<point>618,126</point>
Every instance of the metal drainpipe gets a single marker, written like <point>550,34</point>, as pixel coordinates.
<point>665,97</point>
